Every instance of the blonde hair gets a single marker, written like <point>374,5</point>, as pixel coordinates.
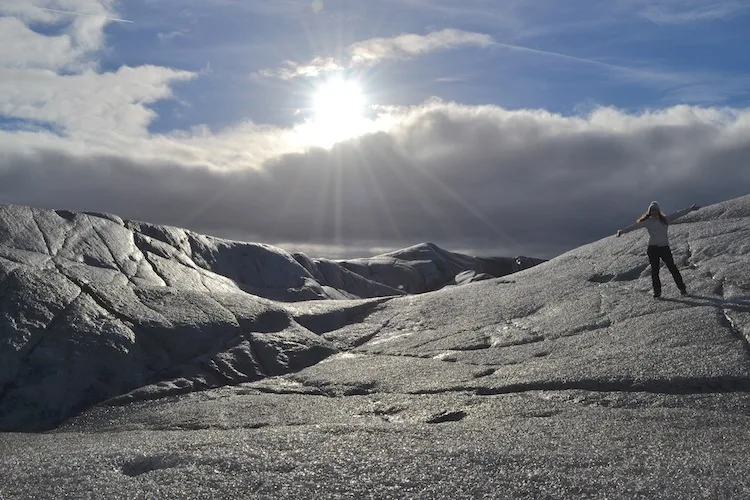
<point>660,215</point>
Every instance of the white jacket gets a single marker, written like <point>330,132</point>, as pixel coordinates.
<point>657,230</point>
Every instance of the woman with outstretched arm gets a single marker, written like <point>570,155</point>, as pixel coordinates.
<point>658,243</point>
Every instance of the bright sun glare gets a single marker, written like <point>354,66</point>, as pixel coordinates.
<point>338,107</point>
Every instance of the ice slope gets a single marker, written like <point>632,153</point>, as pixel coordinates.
<point>93,306</point>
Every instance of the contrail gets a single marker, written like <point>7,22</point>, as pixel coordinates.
<point>84,15</point>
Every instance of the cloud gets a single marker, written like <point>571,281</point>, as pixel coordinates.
<point>688,11</point>
<point>473,177</point>
<point>53,11</point>
<point>82,33</point>
<point>166,36</point>
<point>84,104</point>
<point>404,46</point>
<point>23,47</point>
<point>375,50</point>
<point>290,69</point>
<point>53,80</point>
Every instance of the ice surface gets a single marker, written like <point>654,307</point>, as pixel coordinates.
<point>566,379</point>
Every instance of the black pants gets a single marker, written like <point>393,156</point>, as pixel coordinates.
<point>664,253</point>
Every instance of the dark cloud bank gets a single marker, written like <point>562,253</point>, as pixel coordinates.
<point>488,182</point>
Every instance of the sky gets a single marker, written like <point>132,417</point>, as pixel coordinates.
<point>348,128</point>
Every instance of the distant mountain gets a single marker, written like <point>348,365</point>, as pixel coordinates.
<point>417,269</point>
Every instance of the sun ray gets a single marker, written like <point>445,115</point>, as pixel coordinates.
<point>479,216</point>
<point>429,208</point>
<point>386,209</point>
<point>365,165</point>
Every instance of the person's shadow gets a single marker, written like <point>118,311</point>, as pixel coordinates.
<point>739,305</point>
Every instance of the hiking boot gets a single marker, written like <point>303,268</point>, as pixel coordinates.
<point>657,295</point>
<point>683,291</point>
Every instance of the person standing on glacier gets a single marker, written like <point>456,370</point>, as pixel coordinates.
<point>658,243</point>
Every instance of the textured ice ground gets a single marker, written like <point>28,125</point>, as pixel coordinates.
<point>564,380</point>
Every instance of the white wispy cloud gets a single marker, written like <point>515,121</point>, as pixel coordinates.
<point>290,69</point>
<point>165,36</point>
<point>375,50</point>
<point>404,46</point>
<point>688,11</point>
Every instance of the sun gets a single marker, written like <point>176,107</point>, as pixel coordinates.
<point>338,107</point>
<point>338,99</point>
